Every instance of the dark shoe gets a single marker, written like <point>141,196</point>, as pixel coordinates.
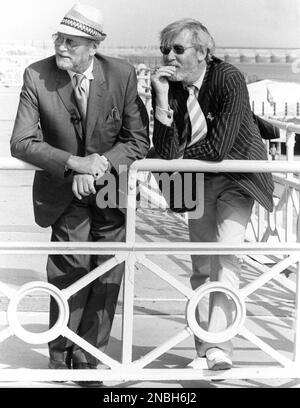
<point>87,383</point>
<point>68,358</point>
<point>63,361</point>
<point>58,365</point>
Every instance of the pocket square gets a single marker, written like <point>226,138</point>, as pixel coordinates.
<point>113,115</point>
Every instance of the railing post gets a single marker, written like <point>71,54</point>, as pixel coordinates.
<point>128,282</point>
<point>260,224</point>
<point>290,145</point>
<point>143,78</point>
<point>297,319</point>
<point>298,218</point>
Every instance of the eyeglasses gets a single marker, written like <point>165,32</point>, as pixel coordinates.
<point>178,49</point>
<point>69,43</point>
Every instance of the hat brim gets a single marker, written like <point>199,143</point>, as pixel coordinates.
<point>64,29</point>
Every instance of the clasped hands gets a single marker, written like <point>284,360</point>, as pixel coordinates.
<point>88,169</point>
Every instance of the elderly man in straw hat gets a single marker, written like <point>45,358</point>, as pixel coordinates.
<point>80,116</point>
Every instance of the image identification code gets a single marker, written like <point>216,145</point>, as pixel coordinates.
<point>151,397</point>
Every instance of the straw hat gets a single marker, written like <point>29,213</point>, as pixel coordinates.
<point>83,21</point>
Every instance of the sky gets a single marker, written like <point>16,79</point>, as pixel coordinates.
<point>233,23</point>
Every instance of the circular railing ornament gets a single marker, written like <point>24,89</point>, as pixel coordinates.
<point>55,330</point>
<point>230,331</point>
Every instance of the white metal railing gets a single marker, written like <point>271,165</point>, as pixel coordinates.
<point>133,252</point>
<point>283,224</point>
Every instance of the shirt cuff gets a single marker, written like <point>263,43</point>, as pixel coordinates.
<point>109,165</point>
<point>164,116</point>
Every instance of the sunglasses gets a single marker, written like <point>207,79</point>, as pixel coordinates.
<point>178,49</point>
<point>70,44</point>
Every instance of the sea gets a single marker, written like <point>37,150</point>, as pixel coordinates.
<point>253,71</point>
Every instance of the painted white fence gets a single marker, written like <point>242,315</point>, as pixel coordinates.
<point>133,252</point>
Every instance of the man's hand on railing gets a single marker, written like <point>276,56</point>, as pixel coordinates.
<point>93,164</point>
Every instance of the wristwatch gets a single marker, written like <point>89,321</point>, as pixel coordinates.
<point>67,171</point>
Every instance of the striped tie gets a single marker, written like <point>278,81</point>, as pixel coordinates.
<point>80,95</point>
<point>198,122</point>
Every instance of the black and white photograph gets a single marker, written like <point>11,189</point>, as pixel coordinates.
<point>149,197</point>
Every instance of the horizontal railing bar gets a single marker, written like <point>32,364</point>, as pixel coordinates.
<point>126,374</point>
<point>234,166</point>
<point>289,126</point>
<point>148,247</point>
<point>11,163</point>
<point>286,182</point>
<point>100,247</point>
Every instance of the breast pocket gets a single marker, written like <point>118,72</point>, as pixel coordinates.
<point>113,122</point>
<point>113,115</point>
<point>109,131</point>
<point>112,126</point>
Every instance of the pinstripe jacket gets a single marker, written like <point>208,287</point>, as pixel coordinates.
<point>231,131</point>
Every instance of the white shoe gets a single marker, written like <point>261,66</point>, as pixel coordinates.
<point>199,363</point>
<point>217,359</point>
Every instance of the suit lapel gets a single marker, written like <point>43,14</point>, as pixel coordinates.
<point>97,91</point>
<point>204,95</point>
<point>65,91</point>
<point>178,97</point>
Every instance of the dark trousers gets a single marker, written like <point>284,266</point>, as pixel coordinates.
<point>92,309</point>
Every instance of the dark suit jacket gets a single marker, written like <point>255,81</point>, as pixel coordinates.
<point>45,133</point>
<point>232,133</point>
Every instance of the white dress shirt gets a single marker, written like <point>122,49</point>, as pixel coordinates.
<point>88,76</point>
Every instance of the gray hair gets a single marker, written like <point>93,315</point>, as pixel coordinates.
<point>201,38</point>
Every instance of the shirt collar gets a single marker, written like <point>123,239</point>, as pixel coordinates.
<point>88,73</point>
<point>199,81</point>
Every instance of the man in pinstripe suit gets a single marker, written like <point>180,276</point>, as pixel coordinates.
<point>228,132</point>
